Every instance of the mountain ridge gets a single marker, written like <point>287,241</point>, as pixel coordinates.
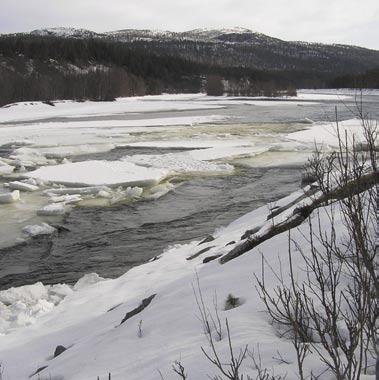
<point>200,34</point>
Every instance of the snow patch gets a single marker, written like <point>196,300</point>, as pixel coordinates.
<point>88,280</point>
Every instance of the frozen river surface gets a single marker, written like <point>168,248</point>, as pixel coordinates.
<point>178,167</point>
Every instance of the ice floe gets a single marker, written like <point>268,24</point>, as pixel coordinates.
<point>53,209</point>
<point>178,163</point>
<point>38,229</point>
<point>5,168</point>
<point>22,186</point>
<point>98,173</point>
<point>326,134</point>
<point>21,306</point>
<point>10,197</point>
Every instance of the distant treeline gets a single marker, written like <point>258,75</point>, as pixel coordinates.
<point>47,68</point>
<point>370,79</point>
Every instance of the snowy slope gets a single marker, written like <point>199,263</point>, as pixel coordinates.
<point>65,32</point>
<point>88,320</point>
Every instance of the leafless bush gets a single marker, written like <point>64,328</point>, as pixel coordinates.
<point>140,331</point>
<point>231,302</point>
<point>109,377</point>
<point>231,369</point>
<point>332,313</point>
<point>264,373</point>
<point>210,319</point>
<point>179,369</point>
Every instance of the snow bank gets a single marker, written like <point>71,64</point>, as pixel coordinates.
<point>39,110</point>
<point>21,306</point>
<point>88,321</point>
<point>337,92</point>
<point>99,173</point>
<point>322,95</point>
<point>87,280</point>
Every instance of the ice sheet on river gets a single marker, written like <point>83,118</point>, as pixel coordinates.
<point>138,170</point>
<point>97,173</point>
<point>325,133</point>
<point>67,108</point>
<point>178,163</point>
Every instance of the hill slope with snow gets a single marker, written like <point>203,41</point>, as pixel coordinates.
<point>237,47</point>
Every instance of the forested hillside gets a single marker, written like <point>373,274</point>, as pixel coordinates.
<point>76,64</point>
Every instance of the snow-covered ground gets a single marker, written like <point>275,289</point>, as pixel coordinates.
<point>39,110</point>
<point>153,103</point>
<point>86,318</point>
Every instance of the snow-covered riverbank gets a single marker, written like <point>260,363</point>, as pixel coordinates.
<point>87,317</point>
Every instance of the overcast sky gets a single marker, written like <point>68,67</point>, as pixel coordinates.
<point>341,21</point>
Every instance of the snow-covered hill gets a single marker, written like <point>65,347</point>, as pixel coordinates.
<point>235,47</point>
<point>65,32</point>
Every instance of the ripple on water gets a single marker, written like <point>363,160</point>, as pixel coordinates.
<point>111,240</point>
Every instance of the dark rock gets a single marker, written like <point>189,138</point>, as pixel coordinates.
<point>155,258</point>
<point>114,307</point>
<point>304,211</point>
<point>208,239</point>
<point>38,371</point>
<point>211,258</point>
<point>61,228</point>
<point>144,304</point>
<point>200,252</point>
<point>59,350</point>
<point>230,243</point>
<point>248,233</point>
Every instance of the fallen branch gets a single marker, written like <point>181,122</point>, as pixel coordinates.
<point>301,213</point>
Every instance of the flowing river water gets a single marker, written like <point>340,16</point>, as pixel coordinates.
<point>111,240</point>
